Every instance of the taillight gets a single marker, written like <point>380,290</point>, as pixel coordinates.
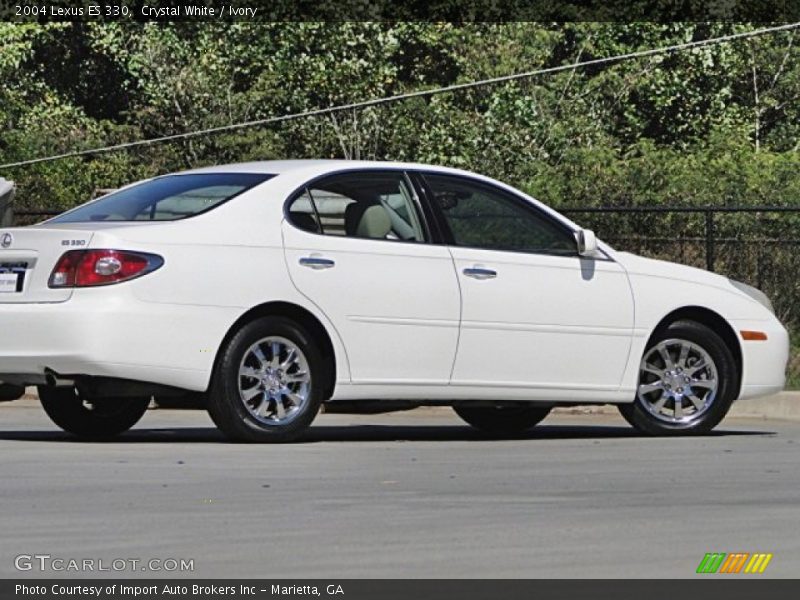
<point>88,268</point>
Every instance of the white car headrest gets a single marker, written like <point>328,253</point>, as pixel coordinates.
<point>374,223</point>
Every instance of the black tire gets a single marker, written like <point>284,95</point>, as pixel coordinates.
<point>10,392</point>
<point>502,420</point>
<point>728,383</point>
<point>225,404</point>
<point>96,419</point>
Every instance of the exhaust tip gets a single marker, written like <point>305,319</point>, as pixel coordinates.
<point>53,379</point>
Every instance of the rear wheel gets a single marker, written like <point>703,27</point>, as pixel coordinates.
<point>502,420</point>
<point>687,382</point>
<point>267,385</point>
<point>97,418</point>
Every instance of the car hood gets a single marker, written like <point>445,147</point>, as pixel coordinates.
<point>661,269</point>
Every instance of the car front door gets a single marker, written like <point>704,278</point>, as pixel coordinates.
<point>357,245</point>
<point>534,314</point>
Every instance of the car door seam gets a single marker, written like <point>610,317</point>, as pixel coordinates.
<point>460,314</point>
<point>319,308</point>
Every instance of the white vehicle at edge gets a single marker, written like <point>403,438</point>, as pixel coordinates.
<point>261,290</point>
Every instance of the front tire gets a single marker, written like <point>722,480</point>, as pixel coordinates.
<point>502,420</point>
<point>687,382</point>
<point>92,419</point>
<point>267,385</point>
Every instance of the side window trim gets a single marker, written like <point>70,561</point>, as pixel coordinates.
<point>316,211</point>
<point>417,202</point>
<point>516,199</point>
<point>438,229</point>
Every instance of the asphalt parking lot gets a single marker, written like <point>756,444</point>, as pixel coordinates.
<point>403,495</point>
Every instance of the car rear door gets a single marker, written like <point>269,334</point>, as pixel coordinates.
<point>357,246</point>
<point>534,314</point>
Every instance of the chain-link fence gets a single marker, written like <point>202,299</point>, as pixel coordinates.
<point>757,245</point>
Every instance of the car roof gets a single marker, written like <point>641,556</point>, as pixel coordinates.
<point>279,167</point>
<point>309,168</point>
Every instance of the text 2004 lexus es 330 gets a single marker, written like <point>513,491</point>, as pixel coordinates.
<point>263,290</point>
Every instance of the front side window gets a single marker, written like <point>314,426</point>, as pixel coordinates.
<point>481,216</point>
<point>367,205</point>
<point>167,198</point>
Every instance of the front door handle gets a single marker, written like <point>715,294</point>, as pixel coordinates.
<point>480,273</point>
<point>316,263</point>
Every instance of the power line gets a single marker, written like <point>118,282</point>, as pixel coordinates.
<point>417,94</point>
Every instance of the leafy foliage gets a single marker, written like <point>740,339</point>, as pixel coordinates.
<point>717,125</point>
<point>691,126</point>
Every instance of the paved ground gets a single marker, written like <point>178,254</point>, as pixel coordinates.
<point>404,495</point>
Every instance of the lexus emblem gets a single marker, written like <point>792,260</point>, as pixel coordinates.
<point>6,240</point>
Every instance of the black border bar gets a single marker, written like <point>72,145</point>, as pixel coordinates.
<point>408,10</point>
<point>707,587</point>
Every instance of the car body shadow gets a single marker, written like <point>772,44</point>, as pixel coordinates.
<point>368,433</point>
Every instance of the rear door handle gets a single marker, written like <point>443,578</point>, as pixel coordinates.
<point>316,263</point>
<point>480,273</point>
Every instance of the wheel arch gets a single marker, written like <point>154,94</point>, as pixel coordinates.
<point>713,320</point>
<point>303,317</point>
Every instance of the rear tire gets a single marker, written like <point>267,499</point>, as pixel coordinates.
<point>96,419</point>
<point>676,394</point>
<point>502,420</point>
<point>268,382</point>
<point>10,392</point>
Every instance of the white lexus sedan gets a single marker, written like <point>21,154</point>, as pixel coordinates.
<point>262,290</point>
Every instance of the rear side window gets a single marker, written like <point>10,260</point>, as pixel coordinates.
<point>370,205</point>
<point>167,198</point>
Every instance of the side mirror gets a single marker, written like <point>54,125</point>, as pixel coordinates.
<point>587,243</point>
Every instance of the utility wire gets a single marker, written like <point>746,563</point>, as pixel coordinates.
<point>417,94</point>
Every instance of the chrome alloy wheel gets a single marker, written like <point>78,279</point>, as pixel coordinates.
<point>274,380</point>
<point>678,381</point>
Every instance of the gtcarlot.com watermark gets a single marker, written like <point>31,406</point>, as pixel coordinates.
<point>58,564</point>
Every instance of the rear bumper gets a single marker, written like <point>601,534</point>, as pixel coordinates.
<point>763,362</point>
<point>105,333</point>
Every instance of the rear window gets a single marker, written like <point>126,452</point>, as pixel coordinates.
<point>166,198</point>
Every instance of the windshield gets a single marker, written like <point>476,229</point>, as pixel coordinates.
<point>165,198</point>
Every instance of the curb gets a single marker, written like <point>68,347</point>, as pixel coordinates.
<point>783,406</point>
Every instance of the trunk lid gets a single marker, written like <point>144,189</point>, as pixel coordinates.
<point>27,257</point>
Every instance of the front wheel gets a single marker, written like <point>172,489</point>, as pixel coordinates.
<point>687,382</point>
<point>502,420</point>
<point>93,419</point>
